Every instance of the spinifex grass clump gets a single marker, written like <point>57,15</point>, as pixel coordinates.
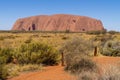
<point>3,72</point>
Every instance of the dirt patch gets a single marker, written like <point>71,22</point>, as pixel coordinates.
<point>50,73</point>
<point>104,60</point>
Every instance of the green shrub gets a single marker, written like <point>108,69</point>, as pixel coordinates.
<point>111,48</point>
<point>113,32</point>
<point>37,53</point>
<point>6,55</point>
<point>96,32</point>
<point>103,38</point>
<point>13,70</point>
<point>3,72</point>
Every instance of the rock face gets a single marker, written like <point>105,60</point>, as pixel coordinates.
<point>58,22</point>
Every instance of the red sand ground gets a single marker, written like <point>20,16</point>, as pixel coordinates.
<point>58,73</point>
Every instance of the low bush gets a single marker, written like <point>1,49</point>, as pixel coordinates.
<point>87,75</point>
<point>106,72</point>
<point>112,32</point>
<point>81,65</point>
<point>65,38</point>
<point>110,72</point>
<point>111,48</point>
<point>103,38</point>
<point>75,49</point>
<point>3,72</point>
<point>97,32</point>
<point>15,69</point>
<point>6,55</point>
<point>31,67</point>
<point>29,40</point>
<point>12,70</point>
<point>37,53</point>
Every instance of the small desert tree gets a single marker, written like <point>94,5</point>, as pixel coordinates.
<point>74,51</point>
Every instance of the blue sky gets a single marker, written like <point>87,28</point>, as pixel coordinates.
<point>108,11</point>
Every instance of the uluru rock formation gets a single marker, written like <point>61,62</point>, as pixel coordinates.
<point>58,22</point>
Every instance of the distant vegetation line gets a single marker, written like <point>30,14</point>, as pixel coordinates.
<point>36,31</point>
<point>10,31</point>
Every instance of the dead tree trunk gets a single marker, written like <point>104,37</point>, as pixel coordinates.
<point>95,51</point>
<point>62,60</point>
